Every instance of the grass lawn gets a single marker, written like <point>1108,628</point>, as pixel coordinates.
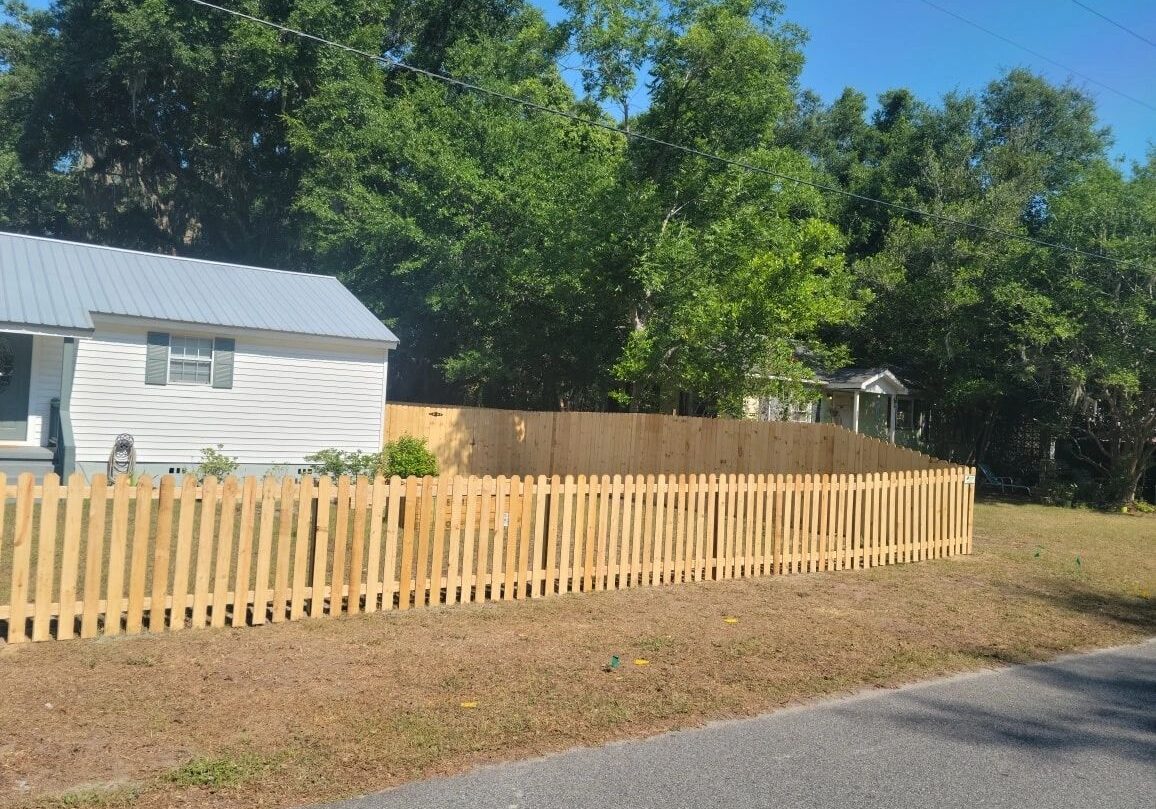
<point>317,710</point>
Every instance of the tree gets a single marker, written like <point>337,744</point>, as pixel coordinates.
<point>1106,367</point>
<point>31,201</point>
<point>469,223</point>
<point>722,271</point>
<point>970,314</point>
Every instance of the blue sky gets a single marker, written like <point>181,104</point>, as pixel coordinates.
<point>875,45</point>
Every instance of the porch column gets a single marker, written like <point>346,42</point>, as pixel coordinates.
<point>894,417</point>
<point>64,458</point>
<point>855,413</point>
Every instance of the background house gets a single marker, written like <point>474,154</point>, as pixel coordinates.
<point>871,401</point>
<point>181,354</point>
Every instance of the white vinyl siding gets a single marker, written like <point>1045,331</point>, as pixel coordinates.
<point>292,395</point>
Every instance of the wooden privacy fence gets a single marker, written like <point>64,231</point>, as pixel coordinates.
<point>484,441</point>
<point>85,560</point>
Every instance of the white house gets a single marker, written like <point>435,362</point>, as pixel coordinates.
<point>181,354</point>
<point>872,401</point>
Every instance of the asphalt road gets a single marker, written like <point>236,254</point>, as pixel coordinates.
<point>1077,732</point>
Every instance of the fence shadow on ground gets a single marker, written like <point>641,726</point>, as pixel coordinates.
<point>1131,611</point>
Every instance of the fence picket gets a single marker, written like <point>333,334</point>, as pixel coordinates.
<point>409,523</point>
<point>787,549</point>
<point>648,493</point>
<point>437,536</point>
<point>306,502</point>
<point>936,514</point>
<point>482,556</point>
<point>538,573</point>
<point>45,558</point>
<point>664,519</point>
<point>602,544</point>
<point>454,552</point>
<point>970,510</point>
<point>838,511</point>
<point>638,499</point>
<point>70,555</point>
<point>138,570</point>
<point>590,532</point>
<point>871,521</point>
<point>269,511</point>
<point>321,541</point>
<point>680,556</point>
<point>751,514</point>
<point>224,555</point>
<point>246,525</point>
<point>955,478</point>
<point>340,542</point>
<point>357,540</point>
<point>523,582</point>
<point>94,552</point>
<point>689,531</point>
<point>183,573</point>
<point>205,542</point>
<point>162,550</point>
<point>501,523</point>
<point>390,581</point>
<point>723,528</point>
<point>281,591</point>
<point>513,526</point>
<point>118,550</point>
<point>21,558</point>
<point>373,576</point>
<point>550,547</point>
<point>699,495</point>
<point>571,528</point>
<point>815,492</point>
<point>469,540</point>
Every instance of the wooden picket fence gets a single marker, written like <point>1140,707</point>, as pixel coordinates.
<point>89,559</point>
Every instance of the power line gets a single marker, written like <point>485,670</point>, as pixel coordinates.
<point>396,63</point>
<point>1039,55</point>
<point>1121,26</point>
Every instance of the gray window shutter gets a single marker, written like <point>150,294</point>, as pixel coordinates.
<point>157,359</point>
<point>223,349</point>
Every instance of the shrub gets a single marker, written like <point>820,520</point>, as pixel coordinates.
<point>409,456</point>
<point>330,462</point>
<point>405,457</point>
<point>215,464</point>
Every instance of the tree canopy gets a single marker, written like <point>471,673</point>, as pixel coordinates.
<point>530,260</point>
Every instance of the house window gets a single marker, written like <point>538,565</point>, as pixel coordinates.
<point>190,360</point>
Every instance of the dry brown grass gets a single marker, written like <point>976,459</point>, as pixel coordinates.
<point>316,710</point>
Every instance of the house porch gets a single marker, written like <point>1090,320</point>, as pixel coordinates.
<point>33,434</point>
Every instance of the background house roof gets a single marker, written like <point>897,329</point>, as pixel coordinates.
<point>859,378</point>
<point>59,285</point>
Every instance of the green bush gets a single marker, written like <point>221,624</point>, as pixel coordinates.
<point>215,464</point>
<point>409,456</point>
<point>405,457</point>
<point>335,462</point>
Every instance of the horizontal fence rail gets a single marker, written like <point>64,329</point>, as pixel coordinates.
<point>485,441</point>
<point>96,558</point>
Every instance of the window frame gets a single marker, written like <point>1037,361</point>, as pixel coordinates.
<point>183,357</point>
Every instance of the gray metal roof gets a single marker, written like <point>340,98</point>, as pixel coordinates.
<point>855,378</point>
<point>59,285</point>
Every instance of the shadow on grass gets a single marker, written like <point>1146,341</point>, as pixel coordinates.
<point>1130,611</point>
